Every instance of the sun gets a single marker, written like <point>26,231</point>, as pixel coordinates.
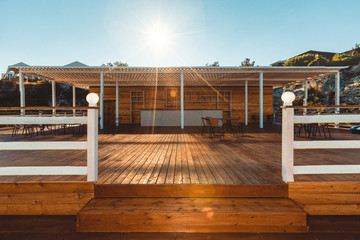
<point>158,38</point>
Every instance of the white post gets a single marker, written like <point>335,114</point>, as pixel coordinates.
<point>53,95</point>
<point>22,92</point>
<point>287,159</point>
<point>74,99</point>
<point>182,99</point>
<point>101,101</point>
<point>246,102</point>
<point>92,145</point>
<point>261,93</point>
<point>337,90</point>
<point>117,103</point>
<point>306,95</point>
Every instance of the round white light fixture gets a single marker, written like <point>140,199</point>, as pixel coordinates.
<point>92,99</point>
<point>288,98</point>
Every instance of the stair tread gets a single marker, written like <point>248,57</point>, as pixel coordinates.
<point>191,215</point>
<point>192,205</point>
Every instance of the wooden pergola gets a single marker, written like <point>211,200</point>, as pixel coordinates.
<point>82,76</point>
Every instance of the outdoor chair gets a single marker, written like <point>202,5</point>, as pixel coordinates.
<point>28,130</point>
<point>205,124</point>
<point>15,130</point>
<point>238,125</point>
<point>216,127</point>
<point>298,128</point>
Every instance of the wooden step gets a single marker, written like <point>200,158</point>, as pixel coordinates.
<point>190,190</point>
<point>327,198</point>
<point>266,215</point>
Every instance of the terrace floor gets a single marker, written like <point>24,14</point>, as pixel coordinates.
<point>172,156</point>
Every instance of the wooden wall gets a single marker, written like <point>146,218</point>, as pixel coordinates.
<point>163,93</point>
<point>44,198</point>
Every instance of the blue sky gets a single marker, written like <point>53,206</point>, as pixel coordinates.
<point>44,32</point>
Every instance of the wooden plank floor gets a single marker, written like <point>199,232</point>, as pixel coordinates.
<point>64,227</point>
<point>171,156</point>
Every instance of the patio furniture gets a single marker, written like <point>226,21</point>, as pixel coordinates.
<point>15,130</point>
<point>204,121</point>
<point>233,123</point>
<point>216,127</point>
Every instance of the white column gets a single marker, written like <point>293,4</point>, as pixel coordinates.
<point>306,94</point>
<point>53,95</point>
<point>182,99</point>
<point>117,103</point>
<point>92,145</point>
<point>74,99</point>
<point>101,101</point>
<point>22,91</point>
<point>261,93</point>
<point>337,90</point>
<point>246,102</point>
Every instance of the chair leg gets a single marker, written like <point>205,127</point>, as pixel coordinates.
<point>328,131</point>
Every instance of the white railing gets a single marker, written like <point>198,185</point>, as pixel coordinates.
<point>289,144</point>
<point>91,144</point>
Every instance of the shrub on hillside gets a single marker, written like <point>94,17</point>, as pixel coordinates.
<point>319,61</point>
<point>302,60</point>
<point>345,59</point>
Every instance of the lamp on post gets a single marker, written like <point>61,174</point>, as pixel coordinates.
<point>92,99</point>
<point>288,98</point>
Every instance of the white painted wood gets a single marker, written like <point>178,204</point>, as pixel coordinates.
<point>306,95</point>
<point>117,103</point>
<point>74,99</point>
<point>337,89</point>
<point>261,103</point>
<point>53,170</point>
<point>53,145</point>
<point>182,99</point>
<point>141,70</point>
<point>246,102</point>
<point>334,118</point>
<point>53,95</point>
<point>342,144</point>
<point>22,92</point>
<point>42,120</point>
<point>327,169</point>
<point>101,101</point>
<point>92,145</point>
<point>287,159</point>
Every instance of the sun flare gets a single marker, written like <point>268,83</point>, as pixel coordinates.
<point>159,38</point>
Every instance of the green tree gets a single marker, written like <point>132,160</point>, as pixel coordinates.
<point>215,64</point>
<point>115,64</point>
<point>247,63</point>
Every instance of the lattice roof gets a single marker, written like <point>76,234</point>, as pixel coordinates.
<point>86,76</point>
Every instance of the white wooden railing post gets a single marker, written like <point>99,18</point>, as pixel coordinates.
<point>92,138</point>
<point>287,143</point>
<point>287,159</point>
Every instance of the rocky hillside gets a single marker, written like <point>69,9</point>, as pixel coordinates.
<point>322,91</point>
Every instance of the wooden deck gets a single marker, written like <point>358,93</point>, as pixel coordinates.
<point>64,227</point>
<point>171,156</point>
